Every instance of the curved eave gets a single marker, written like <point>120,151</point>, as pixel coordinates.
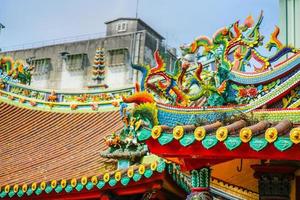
<point>191,149</point>
<point>278,71</point>
<point>197,154</point>
<point>139,182</point>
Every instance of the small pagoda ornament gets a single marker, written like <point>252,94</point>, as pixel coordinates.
<point>99,66</point>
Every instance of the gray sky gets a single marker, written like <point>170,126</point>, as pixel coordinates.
<point>180,21</point>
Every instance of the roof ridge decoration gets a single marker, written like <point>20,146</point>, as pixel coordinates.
<point>15,77</point>
<point>52,100</point>
<point>99,65</point>
<point>124,144</point>
<point>15,70</point>
<point>221,113</point>
<point>215,88</point>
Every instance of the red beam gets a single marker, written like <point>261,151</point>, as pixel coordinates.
<point>198,153</point>
<point>273,169</point>
<point>190,163</point>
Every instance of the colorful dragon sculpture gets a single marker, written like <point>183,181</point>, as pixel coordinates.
<point>232,48</point>
<point>174,87</point>
<point>240,41</point>
<point>126,140</point>
<point>15,70</point>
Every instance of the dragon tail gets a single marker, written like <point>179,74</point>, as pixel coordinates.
<point>145,71</point>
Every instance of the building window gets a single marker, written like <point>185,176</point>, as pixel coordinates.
<point>122,27</point>
<point>76,61</point>
<point>41,66</point>
<point>118,57</point>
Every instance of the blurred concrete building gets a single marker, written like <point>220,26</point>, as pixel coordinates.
<point>68,65</point>
<point>289,22</point>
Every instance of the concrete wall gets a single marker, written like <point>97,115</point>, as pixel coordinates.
<point>138,42</point>
<point>290,22</point>
<point>58,75</point>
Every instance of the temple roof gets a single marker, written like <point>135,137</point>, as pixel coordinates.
<point>42,149</point>
<point>43,152</point>
<point>42,146</point>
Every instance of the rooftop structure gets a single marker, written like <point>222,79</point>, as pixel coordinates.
<point>202,130</point>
